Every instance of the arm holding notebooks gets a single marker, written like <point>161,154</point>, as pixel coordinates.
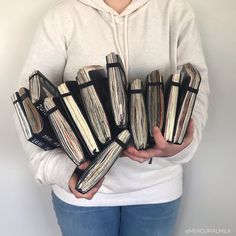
<point>51,167</point>
<point>54,166</point>
<point>189,50</point>
<point>74,181</point>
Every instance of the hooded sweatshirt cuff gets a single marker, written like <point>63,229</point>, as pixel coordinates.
<point>186,154</point>
<point>59,170</point>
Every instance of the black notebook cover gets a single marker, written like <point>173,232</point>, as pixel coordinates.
<point>100,83</point>
<point>185,87</point>
<point>74,92</point>
<point>159,85</point>
<point>95,164</point>
<point>42,139</point>
<point>169,85</point>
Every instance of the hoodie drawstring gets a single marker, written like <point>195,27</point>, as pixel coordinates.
<point>126,46</point>
<point>125,57</point>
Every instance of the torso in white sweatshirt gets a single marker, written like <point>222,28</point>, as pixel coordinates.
<point>148,35</point>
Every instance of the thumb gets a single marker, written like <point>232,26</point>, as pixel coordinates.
<point>84,165</point>
<point>158,137</point>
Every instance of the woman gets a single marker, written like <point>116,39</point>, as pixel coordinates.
<point>135,198</point>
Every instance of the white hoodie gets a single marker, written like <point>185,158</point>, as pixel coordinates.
<point>148,35</point>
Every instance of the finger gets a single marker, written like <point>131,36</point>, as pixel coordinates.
<point>100,182</point>
<point>84,165</point>
<point>132,156</point>
<point>145,154</point>
<point>133,151</point>
<point>125,153</point>
<point>138,159</point>
<point>158,138</point>
<point>136,153</point>
<point>122,153</point>
<point>89,195</point>
<point>148,153</point>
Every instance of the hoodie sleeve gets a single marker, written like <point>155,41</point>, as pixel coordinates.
<point>189,49</point>
<point>48,55</point>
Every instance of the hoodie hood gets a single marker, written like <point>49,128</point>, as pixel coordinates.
<point>132,8</point>
<point>102,6</point>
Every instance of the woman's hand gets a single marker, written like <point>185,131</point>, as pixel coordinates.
<point>74,180</point>
<point>161,148</point>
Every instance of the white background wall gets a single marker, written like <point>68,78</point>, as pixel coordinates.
<point>209,200</point>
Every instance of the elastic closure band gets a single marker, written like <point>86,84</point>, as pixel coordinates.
<point>193,90</point>
<point>49,112</point>
<point>133,91</point>
<point>17,100</point>
<point>65,95</point>
<point>85,85</point>
<point>24,96</point>
<point>175,84</point>
<point>154,83</point>
<point>123,145</point>
<point>115,64</point>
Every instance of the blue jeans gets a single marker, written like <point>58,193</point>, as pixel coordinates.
<point>133,220</point>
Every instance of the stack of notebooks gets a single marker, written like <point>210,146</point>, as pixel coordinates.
<point>96,116</point>
<point>29,105</point>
